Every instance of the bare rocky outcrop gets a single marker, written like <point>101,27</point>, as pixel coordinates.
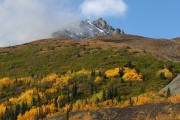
<point>117,31</point>
<point>174,86</point>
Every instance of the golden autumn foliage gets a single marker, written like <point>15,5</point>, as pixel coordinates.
<point>2,109</point>
<point>112,72</point>
<point>6,82</point>
<point>174,99</point>
<point>25,80</point>
<point>63,80</point>
<point>45,101</point>
<point>141,100</point>
<point>96,96</point>
<point>166,73</point>
<point>149,97</point>
<point>83,71</point>
<point>38,113</point>
<point>50,78</point>
<point>31,94</point>
<point>51,90</point>
<point>88,106</point>
<point>131,75</point>
<point>146,98</point>
<point>98,79</point>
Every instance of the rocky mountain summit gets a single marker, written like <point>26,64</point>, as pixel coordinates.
<point>87,29</point>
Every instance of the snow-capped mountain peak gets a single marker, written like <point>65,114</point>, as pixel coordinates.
<point>86,29</point>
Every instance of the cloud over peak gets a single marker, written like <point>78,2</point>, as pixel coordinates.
<point>103,8</point>
<point>22,21</point>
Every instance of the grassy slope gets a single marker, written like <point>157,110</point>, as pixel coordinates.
<point>43,59</point>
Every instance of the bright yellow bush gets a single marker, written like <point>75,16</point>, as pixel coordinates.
<point>98,95</point>
<point>25,80</point>
<point>83,71</point>
<point>131,75</point>
<point>28,96</point>
<point>14,101</point>
<point>37,113</point>
<point>6,82</point>
<point>112,72</point>
<point>141,100</point>
<point>64,79</point>
<point>98,79</point>
<point>50,78</point>
<point>51,90</point>
<point>2,110</point>
<point>166,73</point>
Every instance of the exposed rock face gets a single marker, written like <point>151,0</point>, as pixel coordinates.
<point>102,24</point>
<point>86,29</point>
<point>117,31</point>
<point>174,86</point>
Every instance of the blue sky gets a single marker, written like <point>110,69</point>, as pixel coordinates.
<point>150,18</point>
<point>22,21</point>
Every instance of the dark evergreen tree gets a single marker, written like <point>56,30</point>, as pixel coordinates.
<point>104,76</point>
<point>121,80</point>
<point>121,72</point>
<point>74,91</point>
<point>115,92</point>
<point>129,65</point>
<point>104,95</point>
<point>68,95</point>
<point>170,67</point>
<point>119,98</point>
<point>130,84</point>
<point>162,76</point>
<point>5,116</point>
<point>67,114</point>
<point>110,93</point>
<point>91,88</point>
<point>130,101</point>
<point>97,101</point>
<point>38,103</point>
<point>95,89</point>
<point>33,102</point>
<point>168,93</point>
<point>93,73</point>
<point>138,70</point>
<point>100,73</point>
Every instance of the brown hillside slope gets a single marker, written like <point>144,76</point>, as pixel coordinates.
<point>159,111</point>
<point>161,48</point>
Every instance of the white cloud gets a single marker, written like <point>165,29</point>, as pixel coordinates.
<point>22,21</point>
<point>103,8</point>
